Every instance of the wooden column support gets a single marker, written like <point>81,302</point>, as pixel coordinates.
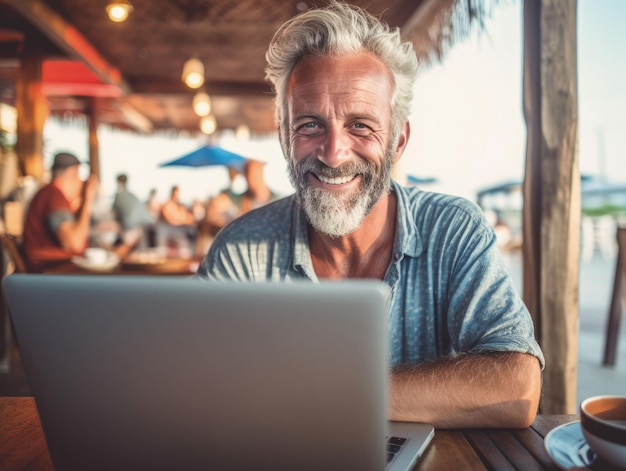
<point>94,146</point>
<point>32,111</point>
<point>552,194</point>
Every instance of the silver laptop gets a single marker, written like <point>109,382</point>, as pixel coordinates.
<point>160,373</point>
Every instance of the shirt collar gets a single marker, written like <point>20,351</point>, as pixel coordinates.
<point>408,239</point>
<point>300,242</point>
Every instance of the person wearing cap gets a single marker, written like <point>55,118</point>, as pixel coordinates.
<point>57,222</point>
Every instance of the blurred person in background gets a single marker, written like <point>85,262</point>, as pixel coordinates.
<point>154,208</point>
<point>228,205</point>
<point>132,214</point>
<point>258,193</point>
<point>58,219</point>
<point>153,204</point>
<point>177,229</point>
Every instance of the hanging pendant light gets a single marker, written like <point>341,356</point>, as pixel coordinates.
<point>202,104</point>
<point>208,125</point>
<point>118,10</point>
<point>193,73</point>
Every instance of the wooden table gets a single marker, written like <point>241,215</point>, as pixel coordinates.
<point>169,267</point>
<point>23,446</point>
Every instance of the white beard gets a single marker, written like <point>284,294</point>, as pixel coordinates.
<point>339,214</point>
<point>334,215</point>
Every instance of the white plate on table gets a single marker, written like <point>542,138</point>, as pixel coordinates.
<point>568,448</point>
<point>108,264</point>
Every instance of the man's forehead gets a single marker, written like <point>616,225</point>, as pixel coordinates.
<point>356,86</point>
<point>362,63</point>
<point>359,73</point>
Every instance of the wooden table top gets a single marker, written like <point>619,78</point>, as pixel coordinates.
<point>23,446</point>
<point>166,267</point>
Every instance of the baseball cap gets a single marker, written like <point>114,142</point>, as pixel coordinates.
<point>64,160</point>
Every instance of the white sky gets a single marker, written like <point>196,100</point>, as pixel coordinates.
<point>467,124</point>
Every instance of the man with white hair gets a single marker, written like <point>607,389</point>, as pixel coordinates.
<point>462,346</point>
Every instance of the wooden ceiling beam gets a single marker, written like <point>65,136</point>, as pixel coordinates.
<point>134,118</point>
<point>69,40</point>
<point>176,87</point>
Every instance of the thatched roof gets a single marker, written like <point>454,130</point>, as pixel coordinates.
<point>130,72</point>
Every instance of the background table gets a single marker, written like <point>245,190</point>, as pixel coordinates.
<point>23,446</point>
<point>168,267</point>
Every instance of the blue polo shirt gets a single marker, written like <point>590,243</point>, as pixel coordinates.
<point>449,290</point>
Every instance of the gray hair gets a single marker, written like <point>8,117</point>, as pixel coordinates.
<point>337,30</point>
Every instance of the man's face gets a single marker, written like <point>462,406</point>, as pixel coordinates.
<point>341,150</point>
<point>75,184</point>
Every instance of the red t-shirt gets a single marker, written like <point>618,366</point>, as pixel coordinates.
<point>47,210</point>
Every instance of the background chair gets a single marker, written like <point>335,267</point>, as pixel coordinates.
<point>11,261</point>
<point>12,248</point>
<point>615,311</point>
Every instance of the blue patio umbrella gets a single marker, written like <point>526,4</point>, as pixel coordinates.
<point>209,155</point>
<point>415,180</point>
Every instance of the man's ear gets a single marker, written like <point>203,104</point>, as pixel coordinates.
<point>403,140</point>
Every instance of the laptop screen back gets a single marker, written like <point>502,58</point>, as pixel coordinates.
<point>167,373</point>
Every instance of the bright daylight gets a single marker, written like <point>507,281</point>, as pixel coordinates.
<point>235,233</point>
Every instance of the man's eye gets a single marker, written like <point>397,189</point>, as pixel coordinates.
<point>361,128</point>
<point>308,128</point>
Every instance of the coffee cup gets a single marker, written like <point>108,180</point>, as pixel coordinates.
<point>96,255</point>
<point>603,423</point>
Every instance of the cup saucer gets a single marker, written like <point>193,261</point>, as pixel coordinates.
<point>568,448</point>
<point>109,264</point>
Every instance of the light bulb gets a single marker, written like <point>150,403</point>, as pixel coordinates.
<point>118,11</point>
<point>202,104</point>
<point>193,73</point>
<point>208,125</point>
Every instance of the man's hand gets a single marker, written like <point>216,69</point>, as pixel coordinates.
<point>91,187</point>
<point>73,235</point>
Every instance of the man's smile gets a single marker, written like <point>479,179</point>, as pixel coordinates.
<point>336,180</point>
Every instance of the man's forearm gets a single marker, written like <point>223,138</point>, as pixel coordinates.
<point>73,235</point>
<point>468,390</point>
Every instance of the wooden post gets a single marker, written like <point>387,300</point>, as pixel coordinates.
<point>94,146</point>
<point>32,110</point>
<point>551,222</point>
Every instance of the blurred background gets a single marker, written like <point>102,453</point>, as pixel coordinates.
<point>468,131</point>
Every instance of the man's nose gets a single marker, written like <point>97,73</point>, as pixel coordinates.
<point>336,148</point>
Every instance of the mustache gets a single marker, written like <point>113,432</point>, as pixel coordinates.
<point>347,169</point>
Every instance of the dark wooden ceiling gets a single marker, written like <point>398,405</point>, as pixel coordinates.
<point>142,58</point>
